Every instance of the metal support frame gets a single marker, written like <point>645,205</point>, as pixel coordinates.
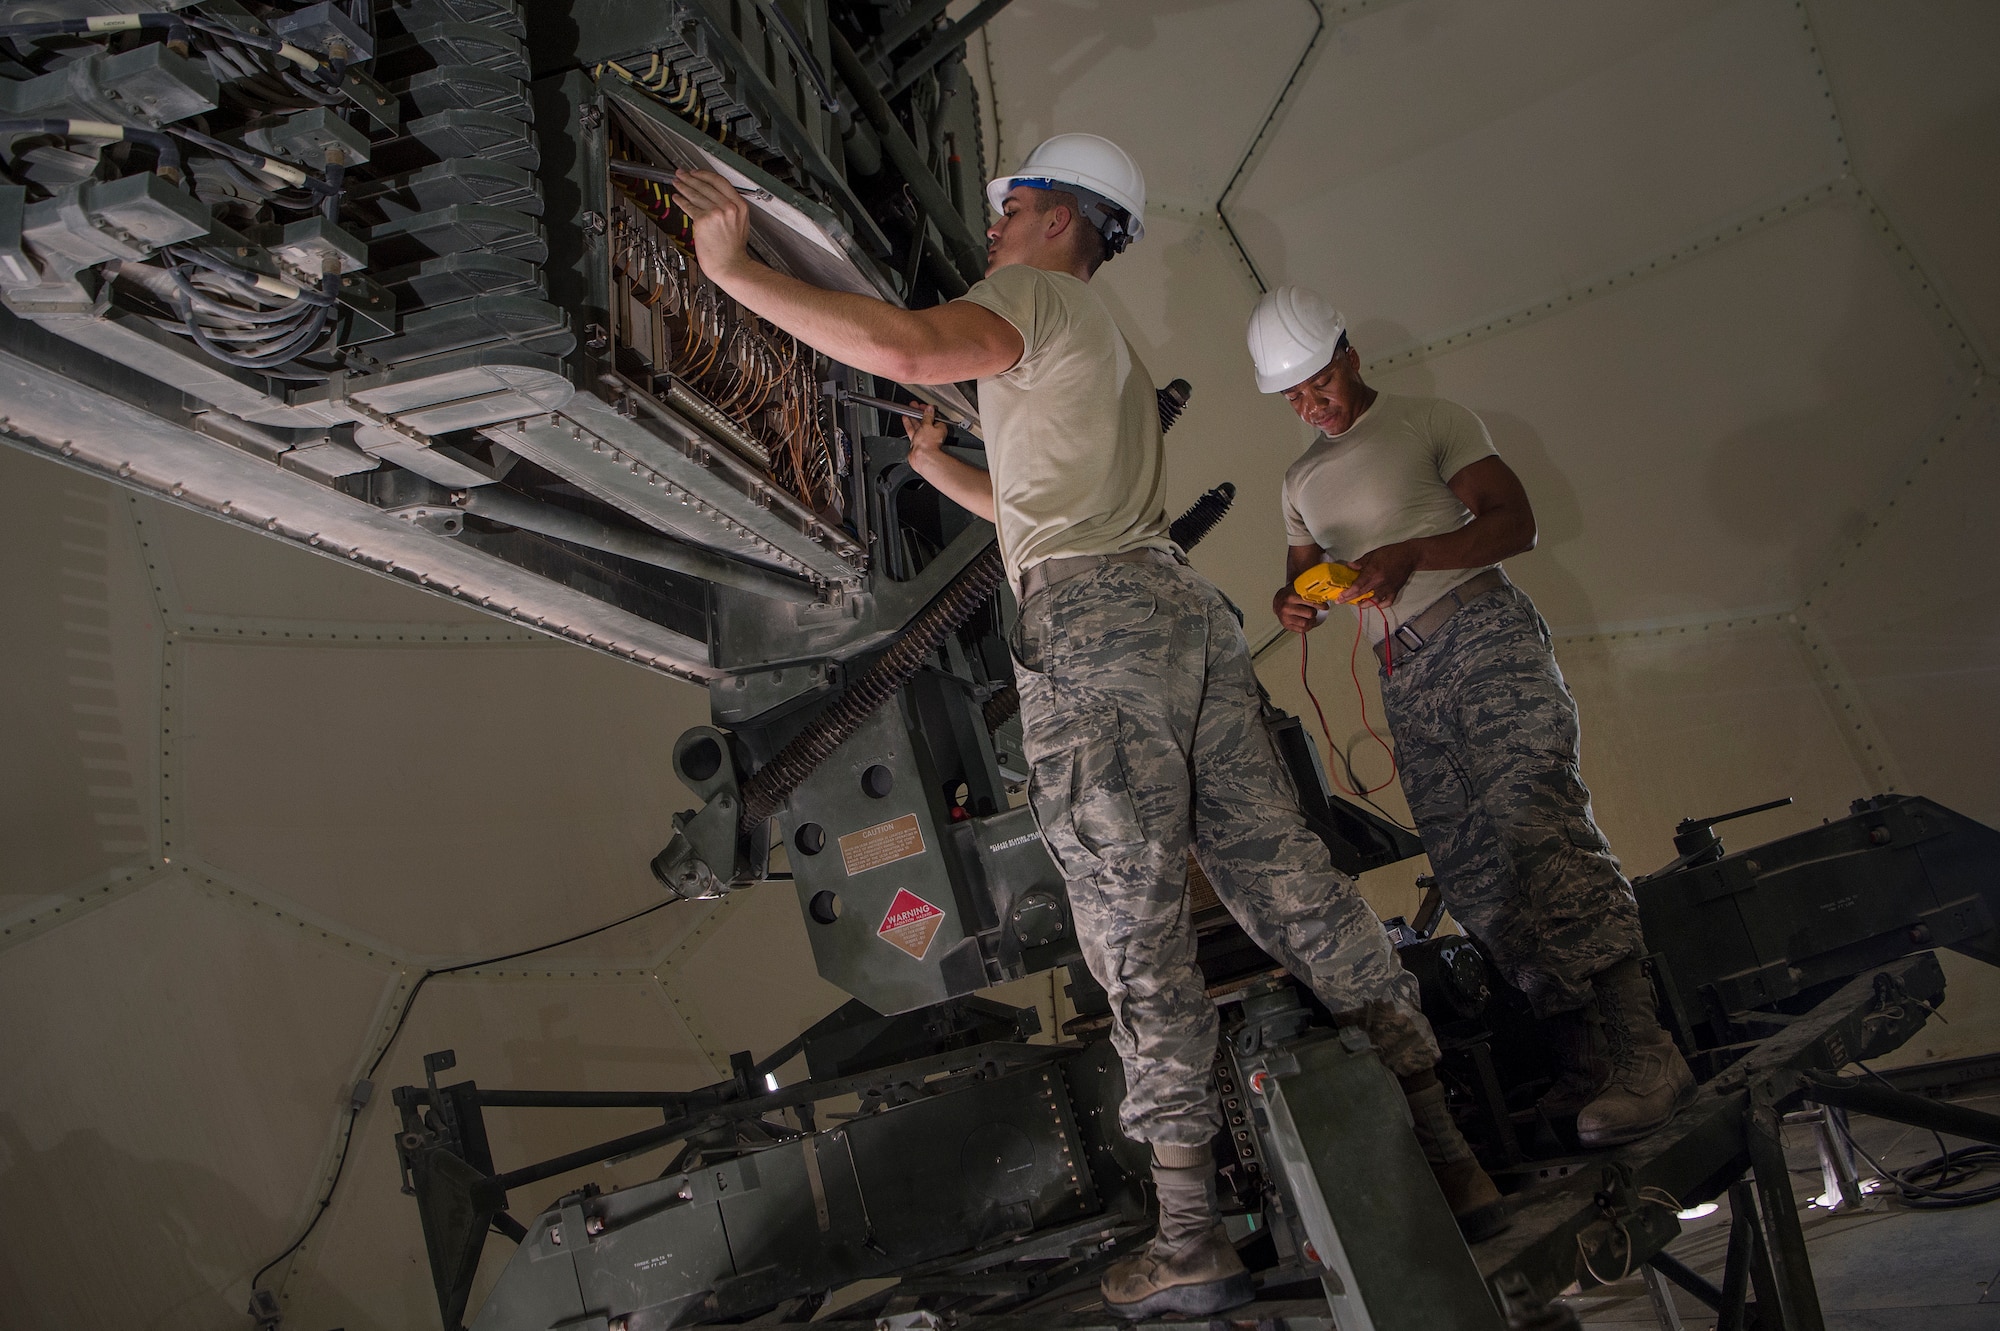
<point>1901,1107</point>
<point>942,46</point>
<point>1797,1298</point>
<point>1661,1295</point>
<point>1836,1154</point>
<point>1594,1222</point>
<point>965,252</point>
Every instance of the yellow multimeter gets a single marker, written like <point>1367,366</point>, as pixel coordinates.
<point>1321,583</point>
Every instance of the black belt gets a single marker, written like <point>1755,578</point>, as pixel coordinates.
<point>1411,635</point>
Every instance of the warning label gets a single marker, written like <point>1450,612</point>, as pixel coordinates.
<point>911,923</point>
<point>884,843</point>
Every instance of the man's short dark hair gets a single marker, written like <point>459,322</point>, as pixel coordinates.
<point>1090,240</point>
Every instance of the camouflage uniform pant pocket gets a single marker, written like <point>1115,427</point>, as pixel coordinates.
<point>1082,797</point>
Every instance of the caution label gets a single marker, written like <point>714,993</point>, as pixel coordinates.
<point>884,843</point>
<point>911,923</point>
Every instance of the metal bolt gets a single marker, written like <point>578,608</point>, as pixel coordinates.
<point>594,1225</point>
<point>594,224</point>
<point>555,1235</point>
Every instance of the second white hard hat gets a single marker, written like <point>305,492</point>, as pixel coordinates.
<point>1098,171</point>
<point>1293,334</point>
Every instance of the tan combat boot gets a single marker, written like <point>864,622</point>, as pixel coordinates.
<point>1475,1203</point>
<point>1583,1064</point>
<point>1650,1081</point>
<point>1190,1266</point>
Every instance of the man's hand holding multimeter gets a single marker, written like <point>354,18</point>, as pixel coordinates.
<point>1302,605</point>
<point>1322,584</point>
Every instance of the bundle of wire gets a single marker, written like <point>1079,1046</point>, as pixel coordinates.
<point>271,68</point>
<point>242,318</point>
<point>1353,654</point>
<point>758,377</point>
<point>1934,1184</point>
<point>245,319</point>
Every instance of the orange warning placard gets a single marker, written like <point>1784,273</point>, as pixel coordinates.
<point>911,923</point>
<point>884,843</point>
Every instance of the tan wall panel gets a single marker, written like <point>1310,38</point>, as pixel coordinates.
<point>456,801</point>
<point>1446,163</point>
<point>1913,613</point>
<point>752,979</point>
<point>1684,723</point>
<point>1918,89</point>
<point>1696,443</point>
<point>365,1270</point>
<point>174,1063</point>
<point>1125,68</point>
<point>219,569</point>
<point>79,673</point>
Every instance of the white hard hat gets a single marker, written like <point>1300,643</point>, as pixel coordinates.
<point>1293,334</point>
<point>1098,172</point>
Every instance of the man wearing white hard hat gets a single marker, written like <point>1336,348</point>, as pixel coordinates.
<point>1409,493</point>
<point>1140,710</point>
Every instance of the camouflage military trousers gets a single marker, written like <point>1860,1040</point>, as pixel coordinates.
<point>1486,742</point>
<point>1143,725</point>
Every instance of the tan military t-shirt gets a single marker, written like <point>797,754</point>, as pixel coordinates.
<point>1386,479</point>
<point>1073,430</point>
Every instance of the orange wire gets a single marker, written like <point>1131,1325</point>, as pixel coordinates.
<point>1353,672</point>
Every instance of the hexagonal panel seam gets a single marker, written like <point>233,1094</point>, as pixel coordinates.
<point>1834,125</point>
<point>1929,294</point>
<point>159,571</point>
<point>1425,346</point>
<point>1866,742</point>
<point>685,1006</point>
<point>1924,297</point>
<point>1930,290</point>
<point>1704,242</point>
<point>254,898</point>
<point>1787,618</point>
<point>122,473</point>
<point>688,1010</point>
<point>77,900</point>
<point>688,943</point>
<point>331,1165</point>
<point>258,631</point>
<point>1972,410</point>
<point>325,1191</point>
<point>1209,219</point>
<point>1247,163</point>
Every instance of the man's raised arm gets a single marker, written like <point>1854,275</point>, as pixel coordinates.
<point>941,345</point>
